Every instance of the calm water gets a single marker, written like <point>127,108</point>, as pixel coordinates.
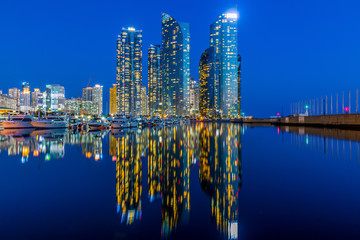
<point>200,181</point>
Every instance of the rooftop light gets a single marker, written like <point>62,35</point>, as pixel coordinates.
<point>231,15</point>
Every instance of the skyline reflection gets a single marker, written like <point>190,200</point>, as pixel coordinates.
<point>171,153</point>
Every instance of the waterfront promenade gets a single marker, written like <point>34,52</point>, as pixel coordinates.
<point>338,120</point>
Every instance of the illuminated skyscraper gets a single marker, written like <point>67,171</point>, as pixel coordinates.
<point>223,37</point>
<point>113,107</point>
<point>94,94</point>
<point>54,97</point>
<point>175,66</point>
<point>15,94</point>
<point>209,83</point>
<point>25,97</point>
<point>194,96</point>
<point>129,72</point>
<point>239,86</point>
<point>154,79</point>
<point>144,101</point>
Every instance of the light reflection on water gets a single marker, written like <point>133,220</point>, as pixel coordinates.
<point>170,154</point>
<point>341,144</point>
<point>152,171</point>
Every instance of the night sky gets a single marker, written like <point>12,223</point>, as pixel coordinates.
<point>291,50</point>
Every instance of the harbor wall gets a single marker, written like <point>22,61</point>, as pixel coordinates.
<point>339,120</point>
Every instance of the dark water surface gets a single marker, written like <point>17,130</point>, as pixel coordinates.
<point>200,181</point>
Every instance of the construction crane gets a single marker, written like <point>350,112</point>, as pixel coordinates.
<point>88,82</point>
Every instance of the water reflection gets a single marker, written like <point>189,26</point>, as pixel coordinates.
<point>339,143</point>
<point>49,143</point>
<point>170,154</point>
<point>127,151</point>
<point>220,174</point>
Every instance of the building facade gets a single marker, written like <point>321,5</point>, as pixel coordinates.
<point>15,94</point>
<point>144,101</point>
<point>25,98</point>
<point>94,94</point>
<point>194,96</point>
<point>129,72</point>
<point>54,97</point>
<point>175,66</point>
<point>239,86</point>
<point>209,83</point>
<point>112,100</point>
<point>154,80</point>
<point>80,107</point>
<point>7,102</point>
<point>223,37</point>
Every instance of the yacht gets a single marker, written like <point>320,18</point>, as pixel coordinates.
<point>98,124</point>
<point>18,121</point>
<point>120,123</point>
<point>51,122</point>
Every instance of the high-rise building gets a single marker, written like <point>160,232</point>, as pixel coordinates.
<point>144,101</point>
<point>54,97</point>
<point>15,94</point>
<point>113,107</point>
<point>25,97</point>
<point>129,71</point>
<point>98,97</point>
<point>223,37</point>
<point>94,94</point>
<point>87,94</point>
<point>209,83</point>
<point>194,96</point>
<point>36,99</point>
<point>239,86</point>
<point>154,80</point>
<point>175,66</point>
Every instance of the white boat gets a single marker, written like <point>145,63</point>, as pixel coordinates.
<point>19,121</point>
<point>98,124</point>
<point>93,126</point>
<point>120,123</point>
<point>51,122</point>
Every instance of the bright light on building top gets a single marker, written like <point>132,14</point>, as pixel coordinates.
<point>231,15</point>
<point>131,29</point>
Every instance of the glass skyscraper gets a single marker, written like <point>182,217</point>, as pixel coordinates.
<point>55,97</point>
<point>175,66</point>
<point>129,72</point>
<point>154,79</point>
<point>209,83</point>
<point>223,37</point>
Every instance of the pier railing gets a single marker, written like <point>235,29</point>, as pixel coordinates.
<point>343,103</point>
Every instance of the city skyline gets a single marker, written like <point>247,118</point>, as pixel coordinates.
<point>272,49</point>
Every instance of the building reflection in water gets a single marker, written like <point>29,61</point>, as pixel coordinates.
<point>175,179</point>
<point>220,174</point>
<point>171,154</point>
<point>339,143</point>
<point>127,150</point>
<point>49,143</point>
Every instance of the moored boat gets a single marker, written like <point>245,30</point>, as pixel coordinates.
<point>51,122</point>
<point>18,121</point>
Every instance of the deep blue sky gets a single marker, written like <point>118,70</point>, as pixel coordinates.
<point>290,50</point>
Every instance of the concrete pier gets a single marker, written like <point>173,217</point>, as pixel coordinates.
<point>339,120</point>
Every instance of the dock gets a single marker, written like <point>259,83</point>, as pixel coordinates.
<point>337,121</point>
